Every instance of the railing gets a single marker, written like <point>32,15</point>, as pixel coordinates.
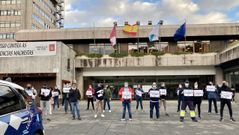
<point>148,61</point>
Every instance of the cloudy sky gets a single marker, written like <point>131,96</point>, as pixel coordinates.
<point>102,13</point>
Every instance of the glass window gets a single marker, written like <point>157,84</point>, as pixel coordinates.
<point>14,1</point>
<point>2,24</point>
<point>9,101</point>
<point>7,25</point>
<point>8,1</point>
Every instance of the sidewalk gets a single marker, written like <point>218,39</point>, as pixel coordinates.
<point>62,124</point>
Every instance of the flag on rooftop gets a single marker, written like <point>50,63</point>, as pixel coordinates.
<point>131,29</point>
<point>113,36</point>
<point>180,32</point>
<point>154,34</point>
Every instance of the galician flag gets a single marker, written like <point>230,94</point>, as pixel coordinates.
<point>154,34</point>
<point>113,36</point>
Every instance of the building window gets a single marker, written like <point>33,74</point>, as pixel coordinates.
<point>103,48</point>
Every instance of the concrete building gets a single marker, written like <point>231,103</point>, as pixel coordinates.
<point>29,14</point>
<point>211,55</point>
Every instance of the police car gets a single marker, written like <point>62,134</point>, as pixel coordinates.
<point>17,115</point>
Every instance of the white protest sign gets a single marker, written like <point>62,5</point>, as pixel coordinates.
<point>139,93</point>
<point>154,94</point>
<point>55,93</point>
<point>188,92</point>
<point>29,92</point>
<point>163,92</point>
<point>66,90</point>
<point>198,93</point>
<point>211,88</point>
<point>45,92</point>
<point>89,93</point>
<point>226,95</point>
<point>126,95</point>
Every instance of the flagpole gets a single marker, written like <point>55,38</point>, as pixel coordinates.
<point>138,23</point>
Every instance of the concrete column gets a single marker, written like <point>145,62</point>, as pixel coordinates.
<point>172,47</point>
<point>80,82</point>
<point>219,75</point>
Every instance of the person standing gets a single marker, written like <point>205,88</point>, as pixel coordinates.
<point>226,97</point>
<point>55,94</point>
<point>180,96</point>
<point>65,99</point>
<point>99,95</point>
<point>154,95</point>
<point>212,97</point>
<point>90,98</point>
<point>31,92</point>
<point>74,96</point>
<point>139,97</point>
<point>197,99</point>
<point>187,101</point>
<point>45,96</point>
<point>107,97</point>
<point>163,95</point>
<point>126,93</point>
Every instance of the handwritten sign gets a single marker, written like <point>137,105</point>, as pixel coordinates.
<point>188,92</point>
<point>226,95</point>
<point>163,92</point>
<point>198,93</point>
<point>154,94</point>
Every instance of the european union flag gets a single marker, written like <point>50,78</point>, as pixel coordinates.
<point>180,33</point>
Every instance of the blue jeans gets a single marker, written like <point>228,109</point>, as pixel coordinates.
<point>66,103</point>
<point>75,109</point>
<point>214,100</point>
<point>156,106</point>
<point>107,101</point>
<point>126,103</point>
<point>56,102</point>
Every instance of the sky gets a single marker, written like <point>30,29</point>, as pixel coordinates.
<point>102,13</point>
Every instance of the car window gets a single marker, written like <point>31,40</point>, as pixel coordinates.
<point>9,101</point>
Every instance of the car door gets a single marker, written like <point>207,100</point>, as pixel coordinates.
<point>14,117</point>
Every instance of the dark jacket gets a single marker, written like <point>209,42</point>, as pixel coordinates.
<point>163,96</point>
<point>197,99</point>
<point>180,93</point>
<point>43,97</point>
<point>74,95</point>
<point>99,93</point>
<point>153,99</point>
<point>187,98</point>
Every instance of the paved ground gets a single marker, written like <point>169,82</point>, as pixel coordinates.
<point>62,124</point>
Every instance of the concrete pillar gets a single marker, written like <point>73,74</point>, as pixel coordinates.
<point>124,48</point>
<point>172,47</point>
<point>80,82</point>
<point>82,48</point>
<point>218,76</point>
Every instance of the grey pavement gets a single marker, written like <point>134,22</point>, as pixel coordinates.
<point>62,124</point>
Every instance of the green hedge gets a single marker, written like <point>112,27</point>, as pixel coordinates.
<point>157,53</point>
<point>137,54</point>
<point>180,53</point>
<point>118,55</point>
<point>94,55</point>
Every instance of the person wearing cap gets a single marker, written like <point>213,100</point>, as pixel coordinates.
<point>197,98</point>
<point>31,92</point>
<point>74,97</point>
<point>163,95</point>
<point>99,95</point>
<point>154,95</point>
<point>187,101</point>
<point>45,96</point>
<point>226,97</point>
<point>139,97</point>
<point>212,97</point>
<point>126,93</point>
<point>180,96</point>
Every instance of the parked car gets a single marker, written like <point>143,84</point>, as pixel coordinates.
<point>18,116</point>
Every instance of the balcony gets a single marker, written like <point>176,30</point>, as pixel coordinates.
<point>208,59</point>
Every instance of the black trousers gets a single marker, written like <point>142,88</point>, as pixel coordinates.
<point>214,100</point>
<point>229,105</point>
<point>92,103</point>
<point>198,104</point>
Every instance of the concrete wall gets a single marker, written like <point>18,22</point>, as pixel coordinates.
<point>148,61</point>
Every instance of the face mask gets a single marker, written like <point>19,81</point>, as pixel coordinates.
<point>186,84</point>
<point>195,86</point>
<point>126,85</point>
<point>163,85</point>
<point>180,86</point>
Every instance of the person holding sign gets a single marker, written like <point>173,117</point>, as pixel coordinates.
<point>154,95</point>
<point>187,101</point>
<point>74,97</point>
<point>212,97</point>
<point>163,95</point>
<point>65,100</point>
<point>55,94</point>
<point>139,97</point>
<point>126,93</point>
<point>45,95</point>
<point>99,94</point>
<point>197,98</point>
<point>226,97</point>
<point>180,96</point>
<point>31,92</point>
<point>89,93</point>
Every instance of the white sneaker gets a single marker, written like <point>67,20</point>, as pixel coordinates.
<point>103,110</point>
<point>130,119</point>
<point>122,119</point>
<point>102,115</point>
<point>109,110</point>
<point>95,116</point>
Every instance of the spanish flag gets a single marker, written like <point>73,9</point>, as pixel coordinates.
<point>131,29</point>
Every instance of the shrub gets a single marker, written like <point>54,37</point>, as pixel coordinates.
<point>157,53</point>
<point>94,55</point>
<point>137,54</point>
<point>180,53</point>
<point>118,55</point>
